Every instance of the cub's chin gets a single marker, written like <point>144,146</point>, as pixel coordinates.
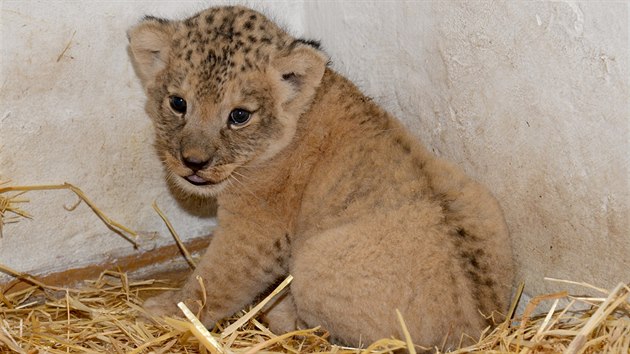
<point>196,186</point>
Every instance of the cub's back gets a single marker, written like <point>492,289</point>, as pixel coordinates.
<point>380,206</point>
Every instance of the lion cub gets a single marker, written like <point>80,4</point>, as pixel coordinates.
<point>315,180</point>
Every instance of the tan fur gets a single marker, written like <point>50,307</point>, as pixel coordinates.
<point>322,184</point>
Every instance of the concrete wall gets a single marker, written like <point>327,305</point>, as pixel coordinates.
<point>531,98</point>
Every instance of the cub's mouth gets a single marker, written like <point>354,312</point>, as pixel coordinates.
<point>208,177</point>
<point>197,180</point>
<point>208,180</point>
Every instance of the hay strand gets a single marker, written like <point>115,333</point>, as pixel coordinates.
<point>199,331</point>
<point>8,204</point>
<point>65,49</point>
<point>605,309</point>
<point>178,240</point>
<point>410,347</point>
<point>249,315</point>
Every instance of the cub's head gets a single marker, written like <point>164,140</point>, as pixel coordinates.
<point>225,88</point>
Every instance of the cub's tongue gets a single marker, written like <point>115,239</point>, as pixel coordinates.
<point>196,179</point>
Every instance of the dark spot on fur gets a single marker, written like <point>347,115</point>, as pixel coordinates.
<point>153,18</point>
<point>310,42</point>
<point>268,270</point>
<point>259,54</point>
<point>474,277</point>
<point>252,260</point>
<point>230,277</point>
<point>348,105</point>
<point>226,297</point>
<point>293,79</point>
<point>191,21</point>
<point>248,64</point>
<point>277,244</point>
<point>248,25</point>
<point>403,144</point>
<point>472,258</point>
<point>419,163</point>
<point>406,147</point>
<point>473,262</point>
<point>248,273</point>
<point>364,121</point>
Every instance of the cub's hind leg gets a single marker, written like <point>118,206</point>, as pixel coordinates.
<point>351,279</point>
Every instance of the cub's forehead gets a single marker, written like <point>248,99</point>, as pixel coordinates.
<point>232,37</point>
<point>217,45</point>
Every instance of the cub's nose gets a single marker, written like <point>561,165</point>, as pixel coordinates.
<point>194,161</point>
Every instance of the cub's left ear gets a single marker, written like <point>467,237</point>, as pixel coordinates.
<point>149,47</point>
<point>302,67</point>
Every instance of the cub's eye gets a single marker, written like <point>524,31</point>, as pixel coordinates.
<point>239,117</point>
<point>178,104</point>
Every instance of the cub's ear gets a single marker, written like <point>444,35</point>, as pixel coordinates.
<point>302,67</point>
<point>149,47</point>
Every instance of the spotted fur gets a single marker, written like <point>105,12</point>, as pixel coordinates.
<point>320,183</point>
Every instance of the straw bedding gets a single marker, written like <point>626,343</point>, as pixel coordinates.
<point>105,316</point>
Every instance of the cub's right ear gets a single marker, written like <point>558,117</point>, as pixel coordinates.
<point>149,47</point>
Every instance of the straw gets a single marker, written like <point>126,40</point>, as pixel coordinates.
<point>8,204</point>
<point>102,316</point>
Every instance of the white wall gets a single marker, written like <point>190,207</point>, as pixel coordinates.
<point>531,98</point>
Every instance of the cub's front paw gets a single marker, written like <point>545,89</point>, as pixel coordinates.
<point>164,304</point>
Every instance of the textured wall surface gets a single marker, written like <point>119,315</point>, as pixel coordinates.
<point>530,98</point>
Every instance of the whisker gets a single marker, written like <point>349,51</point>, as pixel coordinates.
<point>229,181</point>
<point>245,188</point>
<point>242,175</point>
